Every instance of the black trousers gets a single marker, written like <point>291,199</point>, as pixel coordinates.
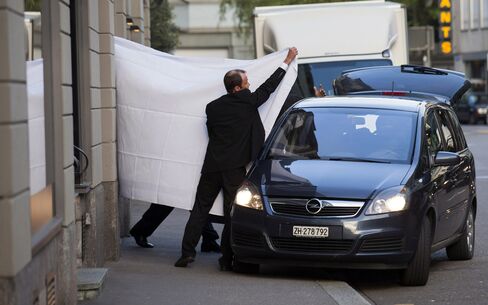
<point>208,188</point>
<point>156,214</point>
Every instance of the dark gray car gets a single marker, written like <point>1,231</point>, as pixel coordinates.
<point>362,181</point>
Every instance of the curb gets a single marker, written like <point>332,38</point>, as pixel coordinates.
<point>343,293</point>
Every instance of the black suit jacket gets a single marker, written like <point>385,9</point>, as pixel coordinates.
<point>235,130</point>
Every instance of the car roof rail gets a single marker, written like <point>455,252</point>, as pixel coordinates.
<point>418,96</point>
<point>421,70</point>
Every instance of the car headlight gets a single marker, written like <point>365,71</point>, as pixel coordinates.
<point>482,110</point>
<point>390,200</point>
<point>248,196</point>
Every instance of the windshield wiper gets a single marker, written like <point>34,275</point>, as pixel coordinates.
<point>352,159</point>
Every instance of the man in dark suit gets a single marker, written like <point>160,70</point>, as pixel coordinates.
<point>236,135</point>
<point>155,215</point>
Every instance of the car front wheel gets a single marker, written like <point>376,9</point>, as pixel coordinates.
<point>417,272</point>
<point>463,249</point>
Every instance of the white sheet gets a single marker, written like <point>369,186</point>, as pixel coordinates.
<point>161,129</point>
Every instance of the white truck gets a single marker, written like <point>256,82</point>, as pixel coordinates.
<point>333,37</point>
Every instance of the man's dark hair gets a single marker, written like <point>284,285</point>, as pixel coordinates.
<point>233,78</point>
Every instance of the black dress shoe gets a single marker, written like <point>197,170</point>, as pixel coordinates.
<point>225,265</point>
<point>142,241</point>
<point>184,261</point>
<point>210,246</point>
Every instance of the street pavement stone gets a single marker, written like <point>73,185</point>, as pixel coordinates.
<point>147,277</point>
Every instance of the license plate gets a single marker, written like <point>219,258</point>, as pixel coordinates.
<point>313,232</point>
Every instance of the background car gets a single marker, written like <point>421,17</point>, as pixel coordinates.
<point>362,181</point>
<point>473,108</point>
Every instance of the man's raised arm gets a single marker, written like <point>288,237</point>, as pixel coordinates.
<point>262,94</point>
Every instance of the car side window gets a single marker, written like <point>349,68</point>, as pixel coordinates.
<point>432,136</point>
<point>447,131</point>
<point>459,131</point>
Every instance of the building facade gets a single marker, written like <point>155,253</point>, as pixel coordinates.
<point>59,207</point>
<point>205,32</point>
<point>470,40</point>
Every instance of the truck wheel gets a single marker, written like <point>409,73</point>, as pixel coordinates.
<point>248,268</point>
<point>417,272</point>
<point>463,249</point>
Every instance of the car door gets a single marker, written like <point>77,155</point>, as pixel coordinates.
<point>465,173</point>
<point>453,192</point>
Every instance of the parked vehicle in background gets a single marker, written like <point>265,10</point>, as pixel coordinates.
<point>473,108</point>
<point>378,178</point>
<point>333,37</point>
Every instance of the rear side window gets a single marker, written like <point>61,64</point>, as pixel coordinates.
<point>433,136</point>
<point>448,132</point>
<point>459,131</point>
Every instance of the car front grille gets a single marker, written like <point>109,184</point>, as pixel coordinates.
<point>291,209</point>
<point>330,208</point>
<point>390,244</point>
<point>311,245</point>
<point>247,239</point>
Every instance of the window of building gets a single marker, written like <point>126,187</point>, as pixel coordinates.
<point>484,13</point>
<point>41,186</point>
<point>475,14</point>
<point>476,71</point>
<point>465,13</point>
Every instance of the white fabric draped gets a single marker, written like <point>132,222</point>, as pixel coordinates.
<point>161,129</point>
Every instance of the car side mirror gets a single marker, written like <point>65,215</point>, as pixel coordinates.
<point>446,158</point>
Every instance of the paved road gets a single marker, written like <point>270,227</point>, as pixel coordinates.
<point>450,282</point>
<point>146,276</point>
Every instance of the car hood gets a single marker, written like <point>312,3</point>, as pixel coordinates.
<point>325,178</point>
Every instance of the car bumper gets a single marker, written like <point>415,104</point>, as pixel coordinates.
<point>385,241</point>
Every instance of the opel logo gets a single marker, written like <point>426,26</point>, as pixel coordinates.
<point>313,206</point>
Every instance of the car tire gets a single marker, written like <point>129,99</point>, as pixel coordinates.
<point>417,271</point>
<point>247,268</point>
<point>463,249</point>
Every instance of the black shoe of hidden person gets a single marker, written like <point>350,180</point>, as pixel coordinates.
<point>184,261</point>
<point>210,246</point>
<point>141,241</point>
<point>225,265</point>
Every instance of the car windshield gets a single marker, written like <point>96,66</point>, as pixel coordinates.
<point>314,74</point>
<point>346,134</point>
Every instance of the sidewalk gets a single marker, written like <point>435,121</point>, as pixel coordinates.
<point>147,277</point>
